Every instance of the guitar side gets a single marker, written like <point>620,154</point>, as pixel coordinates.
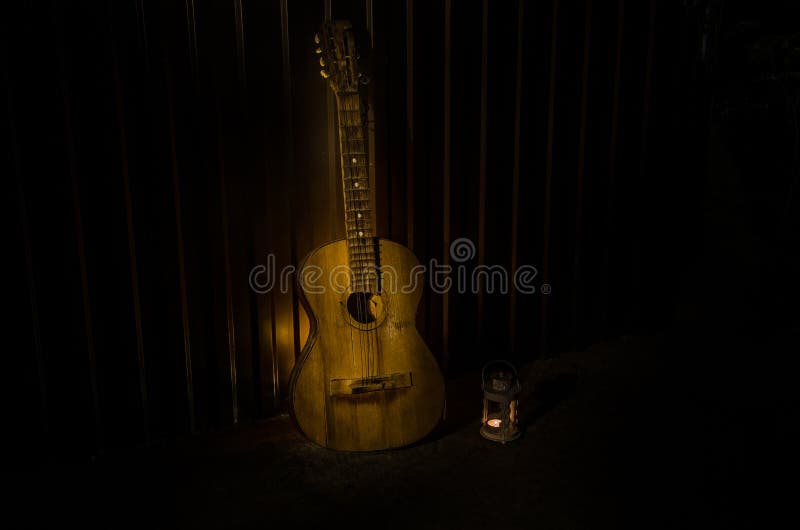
<point>338,352</point>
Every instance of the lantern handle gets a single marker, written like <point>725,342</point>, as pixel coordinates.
<point>499,361</point>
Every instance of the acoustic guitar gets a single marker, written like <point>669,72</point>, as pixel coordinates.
<point>365,380</point>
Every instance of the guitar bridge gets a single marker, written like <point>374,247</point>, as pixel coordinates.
<point>354,387</point>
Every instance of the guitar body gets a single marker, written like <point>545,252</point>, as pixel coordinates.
<point>365,380</point>
<point>364,386</point>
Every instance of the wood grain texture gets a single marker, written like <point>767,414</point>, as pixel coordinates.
<point>335,350</point>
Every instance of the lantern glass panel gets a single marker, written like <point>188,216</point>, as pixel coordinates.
<point>500,422</point>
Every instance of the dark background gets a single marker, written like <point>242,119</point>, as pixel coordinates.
<point>642,155</point>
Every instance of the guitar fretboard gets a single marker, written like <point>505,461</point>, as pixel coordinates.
<point>355,185</point>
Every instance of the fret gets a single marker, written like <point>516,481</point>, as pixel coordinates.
<point>361,257</point>
<point>364,268</point>
<point>363,261</point>
<point>355,164</point>
<point>361,253</point>
<point>357,197</point>
<point>358,226</point>
<point>362,243</point>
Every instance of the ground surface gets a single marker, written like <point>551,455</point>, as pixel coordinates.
<point>625,434</point>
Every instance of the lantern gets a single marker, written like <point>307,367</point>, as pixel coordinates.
<point>501,389</point>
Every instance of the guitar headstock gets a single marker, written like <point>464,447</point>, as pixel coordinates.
<point>338,56</point>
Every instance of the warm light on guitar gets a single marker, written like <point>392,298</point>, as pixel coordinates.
<point>365,380</point>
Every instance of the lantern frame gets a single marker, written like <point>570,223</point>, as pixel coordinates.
<point>500,403</point>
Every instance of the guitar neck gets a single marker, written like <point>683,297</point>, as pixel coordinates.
<point>355,185</point>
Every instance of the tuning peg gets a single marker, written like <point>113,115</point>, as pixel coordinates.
<point>318,50</point>
<point>324,74</point>
<point>316,38</point>
<point>321,61</point>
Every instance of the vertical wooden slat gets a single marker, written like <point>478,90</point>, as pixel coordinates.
<point>634,305</point>
<point>580,173</point>
<point>240,50</point>
<point>230,323</point>
<point>86,305</point>
<point>482,154</point>
<point>410,124</point>
<point>615,103</point>
<point>133,262</point>
<point>141,34</point>
<point>179,241</point>
<point>648,86</point>
<point>612,157</point>
<point>334,220</point>
<point>191,29</point>
<point>512,299</point>
<point>289,176</point>
<point>86,301</point>
<point>551,110</point>
<point>371,121</point>
<point>30,275</point>
<point>370,23</point>
<point>276,384</point>
<point>379,92</point>
<point>446,180</point>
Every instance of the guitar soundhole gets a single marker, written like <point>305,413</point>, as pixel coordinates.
<point>363,307</point>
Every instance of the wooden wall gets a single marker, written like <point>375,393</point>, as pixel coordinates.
<point>160,150</point>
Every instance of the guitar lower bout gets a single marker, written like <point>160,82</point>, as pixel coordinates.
<point>365,380</point>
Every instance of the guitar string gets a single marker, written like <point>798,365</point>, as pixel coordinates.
<point>371,269</point>
<point>356,276</point>
<point>365,246</point>
<point>372,273</point>
<point>342,140</point>
<point>364,262</point>
<point>348,196</point>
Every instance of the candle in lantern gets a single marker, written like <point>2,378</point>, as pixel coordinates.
<point>501,388</point>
